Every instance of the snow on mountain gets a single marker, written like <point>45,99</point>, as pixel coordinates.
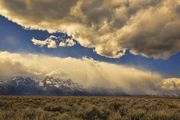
<point>54,86</point>
<point>48,86</point>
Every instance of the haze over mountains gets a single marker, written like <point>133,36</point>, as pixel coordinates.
<point>49,86</point>
<point>57,87</point>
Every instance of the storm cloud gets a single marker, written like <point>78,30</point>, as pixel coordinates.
<point>146,27</point>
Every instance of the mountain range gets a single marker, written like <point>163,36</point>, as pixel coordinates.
<point>48,86</point>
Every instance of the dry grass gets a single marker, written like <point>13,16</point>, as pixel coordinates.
<point>89,108</point>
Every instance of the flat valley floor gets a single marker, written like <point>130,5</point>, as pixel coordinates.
<point>88,108</point>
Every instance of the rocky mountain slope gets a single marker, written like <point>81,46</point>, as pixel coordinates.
<point>48,86</point>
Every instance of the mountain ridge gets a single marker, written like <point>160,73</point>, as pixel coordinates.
<point>50,86</point>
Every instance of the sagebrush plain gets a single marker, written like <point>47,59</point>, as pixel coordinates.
<point>88,108</point>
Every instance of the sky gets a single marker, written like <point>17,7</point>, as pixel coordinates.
<point>126,44</point>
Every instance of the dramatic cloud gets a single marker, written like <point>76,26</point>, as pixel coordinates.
<point>146,27</point>
<point>108,26</point>
<point>91,74</point>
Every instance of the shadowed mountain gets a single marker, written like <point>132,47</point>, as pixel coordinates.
<point>48,86</point>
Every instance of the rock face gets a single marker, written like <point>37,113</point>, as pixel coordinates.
<point>47,86</point>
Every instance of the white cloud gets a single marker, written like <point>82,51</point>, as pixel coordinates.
<point>146,27</point>
<point>40,43</point>
<point>62,44</point>
<point>52,41</point>
<point>70,42</point>
<point>87,72</point>
<point>67,43</point>
<point>49,42</point>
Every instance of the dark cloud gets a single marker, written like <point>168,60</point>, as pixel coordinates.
<point>146,27</point>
